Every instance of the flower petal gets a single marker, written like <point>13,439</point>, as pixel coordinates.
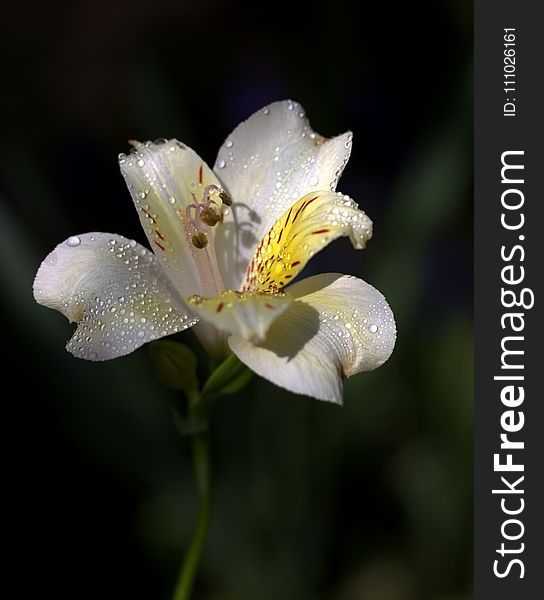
<point>116,292</point>
<point>267,163</point>
<point>244,314</point>
<point>308,226</point>
<point>162,178</point>
<point>337,326</point>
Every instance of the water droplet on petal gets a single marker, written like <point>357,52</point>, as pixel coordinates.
<point>373,328</point>
<point>73,241</point>
<point>314,180</point>
<point>222,164</point>
<point>228,143</point>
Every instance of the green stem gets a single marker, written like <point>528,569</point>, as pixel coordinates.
<point>201,462</point>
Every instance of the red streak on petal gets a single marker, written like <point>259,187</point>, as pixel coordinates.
<point>200,175</point>
<point>160,245</point>
<point>320,231</point>
<point>297,262</point>
<point>160,234</point>
<point>270,306</point>
<point>288,215</point>
<point>219,307</point>
<point>299,211</point>
<point>148,215</point>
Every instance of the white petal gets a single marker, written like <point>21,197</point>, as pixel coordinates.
<point>162,178</point>
<point>267,164</point>
<point>116,292</point>
<point>338,326</point>
<point>247,315</point>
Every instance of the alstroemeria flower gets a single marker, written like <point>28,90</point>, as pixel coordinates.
<point>226,243</point>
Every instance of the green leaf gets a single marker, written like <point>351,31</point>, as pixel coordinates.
<point>230,377</point>
<point>175,366</point>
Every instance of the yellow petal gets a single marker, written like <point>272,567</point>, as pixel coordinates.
<point>308,226</point>
<point>248,315</point>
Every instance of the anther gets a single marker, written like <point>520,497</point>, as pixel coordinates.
<point>225,198</point>
<point>209,216</point>
<point>199,240</point>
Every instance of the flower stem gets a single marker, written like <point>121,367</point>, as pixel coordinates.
<point>189,567</point>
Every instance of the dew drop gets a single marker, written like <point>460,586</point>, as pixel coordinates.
<point>140,162</point>
<point>228,143</point>
<point>222,164</point>
<point>373,328</point>
<point>73,241</point>
<point>314,180</point>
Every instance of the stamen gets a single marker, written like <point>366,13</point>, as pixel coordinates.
<point>205,211</point>
<point>200,240</point>
<point>225,198</point>
<point>207,193</point>
<point>209,216</point>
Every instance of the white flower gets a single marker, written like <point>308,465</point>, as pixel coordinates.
<point>225,244</point>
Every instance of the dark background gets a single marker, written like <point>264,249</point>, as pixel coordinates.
<point>371,501</point>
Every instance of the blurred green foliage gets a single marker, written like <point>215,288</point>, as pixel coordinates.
<point>312,502</point>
